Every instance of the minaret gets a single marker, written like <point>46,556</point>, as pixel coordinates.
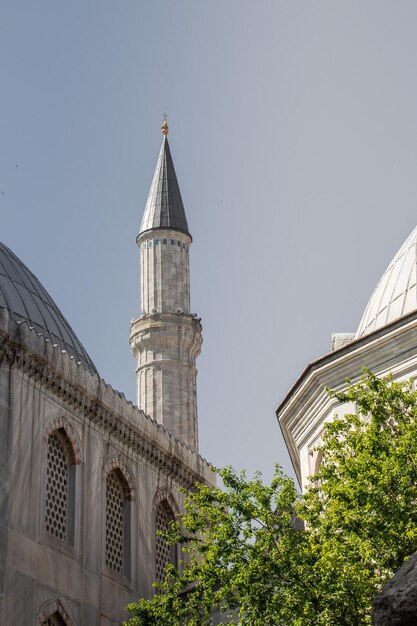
<point>166,339</point>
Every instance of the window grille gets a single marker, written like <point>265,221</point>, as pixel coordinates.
<point>115,522</point>
<point>56,505</point>
<point>164,553</point>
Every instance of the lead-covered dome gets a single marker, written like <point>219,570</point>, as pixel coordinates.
<point>396,293</point>
<point>27,300</point>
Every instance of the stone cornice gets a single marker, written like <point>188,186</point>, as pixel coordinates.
<point>161,232</point>
<point>346,349</point>
<point>157,321</point>
<point>99,403</point>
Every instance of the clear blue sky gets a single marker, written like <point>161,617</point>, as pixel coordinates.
<point>294,136</point>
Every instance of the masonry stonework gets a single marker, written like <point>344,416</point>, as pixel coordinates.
<point>165,271</point>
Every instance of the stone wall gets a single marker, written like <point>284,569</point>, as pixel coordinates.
<point>42,390</point>
<point>396,604</point>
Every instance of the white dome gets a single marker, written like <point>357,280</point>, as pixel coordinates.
<point>396,293</point>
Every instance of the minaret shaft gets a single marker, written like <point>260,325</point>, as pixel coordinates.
<point>165,271</point>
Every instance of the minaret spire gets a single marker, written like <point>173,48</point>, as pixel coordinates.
<point>166,339</point>
<point>164,207</point>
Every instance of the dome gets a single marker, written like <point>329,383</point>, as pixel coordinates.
<point>396,293</point>
<point>26,299</point>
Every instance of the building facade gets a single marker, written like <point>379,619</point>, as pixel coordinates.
<point>86,477</point>
<point>385,342</point>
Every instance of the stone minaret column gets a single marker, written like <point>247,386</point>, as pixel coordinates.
<point>166,339</point>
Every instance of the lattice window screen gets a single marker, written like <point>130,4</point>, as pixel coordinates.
<point>115,530</point>
<point>54,620</point>
<point>56,509</point>
<point>164,553</point>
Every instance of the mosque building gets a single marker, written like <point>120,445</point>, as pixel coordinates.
<point>86,477</point>
<point>385,342</point>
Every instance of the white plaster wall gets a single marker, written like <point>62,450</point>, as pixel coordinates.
<point>310,458</point>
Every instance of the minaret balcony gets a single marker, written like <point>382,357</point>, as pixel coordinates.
<point>167,332</point>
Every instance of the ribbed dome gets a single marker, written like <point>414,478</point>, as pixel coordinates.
<point>396,293</point>
<point>26,299</point>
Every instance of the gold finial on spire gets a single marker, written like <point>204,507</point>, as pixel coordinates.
<point>164,127</point>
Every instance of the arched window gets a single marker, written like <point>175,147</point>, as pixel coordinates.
<point>117,522</point>
<point>60,487</point>
<point>164,553</point>
<point>54,620</point>
<point>318,461</point>
<point>54,613</point>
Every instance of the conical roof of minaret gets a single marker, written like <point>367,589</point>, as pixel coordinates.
<point>164,208</point>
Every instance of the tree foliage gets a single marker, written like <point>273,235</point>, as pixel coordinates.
<point>246,555</point>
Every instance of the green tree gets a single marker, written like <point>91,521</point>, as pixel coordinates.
<point>247,555</point>
<point>361,512</point>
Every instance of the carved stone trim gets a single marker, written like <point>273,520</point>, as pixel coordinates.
<point>118,463</point>
<point>51,607</point>
<point>160,496</point>
<point>76,396</point>
<point>57,422</point>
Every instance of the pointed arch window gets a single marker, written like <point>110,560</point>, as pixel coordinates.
<point>54,613</point>
<point>164,553</point>
<point>117,522</point>
<point>60,487</point>
<point>54,620</point>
